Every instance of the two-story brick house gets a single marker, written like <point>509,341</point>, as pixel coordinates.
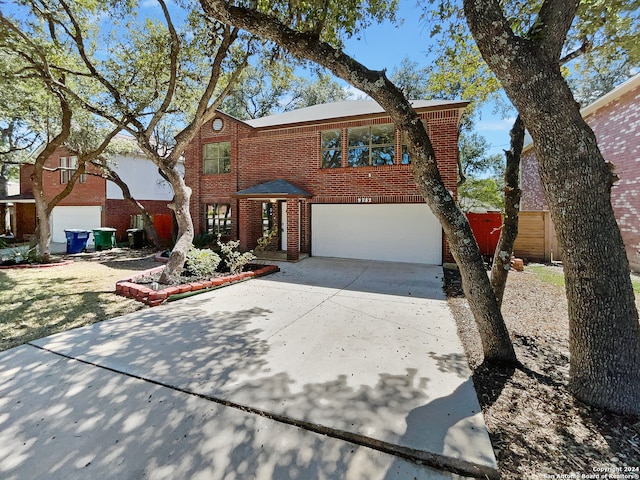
<point>615,120</point>
<point>94,202</point>
<point>333,180</point>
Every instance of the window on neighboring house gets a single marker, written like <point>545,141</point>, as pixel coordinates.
<point>332,149</point>
<point>217,158</point>
<point>68,165</point>
<point>218,218</point>
<point>373,145</point>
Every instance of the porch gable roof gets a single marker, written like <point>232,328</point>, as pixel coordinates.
<point>275,189</point>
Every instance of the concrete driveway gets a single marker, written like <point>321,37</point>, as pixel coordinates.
<point>328,369</point>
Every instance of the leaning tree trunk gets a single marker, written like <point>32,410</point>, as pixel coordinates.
<point>502,257</point>
<point>180,207</point>
<point>604,334</point>
<point>4,191</point>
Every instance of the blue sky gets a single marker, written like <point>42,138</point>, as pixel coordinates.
<point>385,45</point>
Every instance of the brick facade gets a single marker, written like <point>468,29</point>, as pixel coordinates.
<point>615,120</point>
<point>90,193</point>
<point>93,192</point>
<point>117,214</point>
<point>293,152</point>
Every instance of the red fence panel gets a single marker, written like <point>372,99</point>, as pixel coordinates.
<point>486,228</point>
<point>163,224</point>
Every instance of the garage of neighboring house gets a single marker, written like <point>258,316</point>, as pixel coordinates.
<point>390,232</point>
<point>83,217</point>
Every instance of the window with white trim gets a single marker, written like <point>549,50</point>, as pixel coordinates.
<point>371,146</point>
<point>68,165</point>
<point>216,158</point>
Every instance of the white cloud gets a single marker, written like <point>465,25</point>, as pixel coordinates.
<point>495,125</point>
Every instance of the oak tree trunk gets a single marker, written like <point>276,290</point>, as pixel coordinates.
<point>502,257</point>
<point>4,191</point>
<point>604,331</point>
<point>180,207</point>
<point>42,237</point>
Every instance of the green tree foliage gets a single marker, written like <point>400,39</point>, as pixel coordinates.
<point>480,194</point>
<point>267,90</point>
<point>158,79</point>
<point>603,36</point>
<point>482,183</point>
<point>595,80</point>
<point>413,81</point>
<point>306,93</point>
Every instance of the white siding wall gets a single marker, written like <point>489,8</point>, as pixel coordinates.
<point>62,218</point>
<point>141,175</point>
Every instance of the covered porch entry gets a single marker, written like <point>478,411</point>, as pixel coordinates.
<point>270,214</point>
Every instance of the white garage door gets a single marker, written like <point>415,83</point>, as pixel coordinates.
<point>63,218</point>
<point>391,232</point>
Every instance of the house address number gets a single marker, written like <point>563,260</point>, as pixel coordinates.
<point>364,199</point>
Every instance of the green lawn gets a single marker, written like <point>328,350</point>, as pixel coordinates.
<point>554,276</point>
<point>38,302</point>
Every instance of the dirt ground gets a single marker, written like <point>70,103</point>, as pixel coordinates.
<point>537,428</point>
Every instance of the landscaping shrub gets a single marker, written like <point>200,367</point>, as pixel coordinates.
<point>20,254</point>
<point>234,259</point>
<point>204,240</point>
<point>201,262</point>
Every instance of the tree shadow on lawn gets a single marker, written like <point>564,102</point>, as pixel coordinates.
<point>119,258</point>
<point>29,314</point>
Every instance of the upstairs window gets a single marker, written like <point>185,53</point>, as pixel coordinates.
<point>68,165</point>
<point>218,218</point>
<point>332,149</point>
<point>217,158</point>
<point>371,146</point>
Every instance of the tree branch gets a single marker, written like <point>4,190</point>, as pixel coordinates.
<point>173,71</point>
<point>83,159</point>
<point>581,50</point>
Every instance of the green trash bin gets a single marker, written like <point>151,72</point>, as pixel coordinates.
<point>104,238</point>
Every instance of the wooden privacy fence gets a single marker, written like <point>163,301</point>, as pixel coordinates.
<point>536,242</point>
<point>537,239</point>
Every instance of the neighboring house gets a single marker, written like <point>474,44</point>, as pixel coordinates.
<point>334,180</point>
<point>615,120</point>
<point>94,202</point>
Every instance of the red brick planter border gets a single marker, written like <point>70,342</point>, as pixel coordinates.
<point>128,287</point>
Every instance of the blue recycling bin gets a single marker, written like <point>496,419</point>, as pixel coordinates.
<point>77,239</point>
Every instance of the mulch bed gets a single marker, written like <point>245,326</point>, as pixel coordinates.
<point>537,428</point>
